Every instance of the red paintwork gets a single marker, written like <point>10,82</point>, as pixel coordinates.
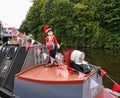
<point>49,75</point>
<point>104,94</point>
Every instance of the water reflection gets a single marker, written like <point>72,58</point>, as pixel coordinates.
<point>109,60</point>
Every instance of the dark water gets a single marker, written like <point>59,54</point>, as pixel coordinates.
<point>109,60</point>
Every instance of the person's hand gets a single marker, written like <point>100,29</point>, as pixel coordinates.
<point>58,46</point>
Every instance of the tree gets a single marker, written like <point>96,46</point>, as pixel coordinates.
<point>85,23</point>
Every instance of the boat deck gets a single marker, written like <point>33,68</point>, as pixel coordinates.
<point>54,75</point>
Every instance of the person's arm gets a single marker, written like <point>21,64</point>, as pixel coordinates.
<point>56,43</point>
<point>46,41</point>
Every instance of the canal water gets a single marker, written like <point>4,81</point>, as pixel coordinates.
<point>108,60</point>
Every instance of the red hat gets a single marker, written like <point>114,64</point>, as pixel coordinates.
<point>47,28</point>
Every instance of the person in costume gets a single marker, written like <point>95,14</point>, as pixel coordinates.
<point>78,62</point>
<point>51,42</point>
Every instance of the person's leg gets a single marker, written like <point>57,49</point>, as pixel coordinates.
<point>49,62</point>
<point>53,54</point>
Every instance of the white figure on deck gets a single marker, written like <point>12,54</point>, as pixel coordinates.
<point>78,63</point>
<point>78,57</point>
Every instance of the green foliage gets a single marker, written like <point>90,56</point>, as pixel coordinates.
<point>110,16</point>
<point>75,1</point>
<point>76,23</point>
